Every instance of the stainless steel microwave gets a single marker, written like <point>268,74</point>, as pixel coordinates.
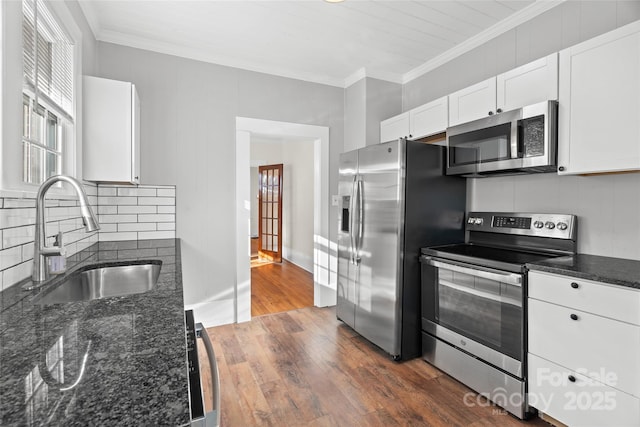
<point>516,141</point>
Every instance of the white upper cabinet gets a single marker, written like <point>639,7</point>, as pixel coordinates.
<point>599,104</point>
<point>425,120</point>
<point>473,102</point>
<point>395,127</point>
<point>430,118</point>
<point>111,131</point>
<point>529,84</point>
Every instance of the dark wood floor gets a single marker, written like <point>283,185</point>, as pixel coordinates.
<point>278,287</point>
<point>305,368</point>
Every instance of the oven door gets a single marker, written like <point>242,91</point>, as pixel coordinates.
<point>477,309</point>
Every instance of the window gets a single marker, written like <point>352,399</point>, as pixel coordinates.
<point>47,106</point>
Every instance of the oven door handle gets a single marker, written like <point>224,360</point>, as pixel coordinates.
<point>213,416</point>
<point>483,272</point>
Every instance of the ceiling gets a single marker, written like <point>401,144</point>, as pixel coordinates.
<point>330,43</point>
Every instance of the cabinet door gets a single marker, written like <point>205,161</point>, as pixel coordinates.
<point>599,104</point>
<point>430,118</point>
<point>529,84</point>
<point>394,128</point>
<point>111,131</point>
<point>473,102</point>
<point>586,343</point>
<point>579,401</point>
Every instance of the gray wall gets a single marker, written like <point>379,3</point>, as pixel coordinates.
<point>188,139</point>
<point>355,115</point>
<point>608,206</point>
<point>367,102</point>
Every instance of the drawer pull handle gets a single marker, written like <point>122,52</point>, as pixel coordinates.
<point>572,378</point>
<point>574,285</point>
<point>574,317</point>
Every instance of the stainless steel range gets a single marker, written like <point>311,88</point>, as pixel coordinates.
<point>474,300</point>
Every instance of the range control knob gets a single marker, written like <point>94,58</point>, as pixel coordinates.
<point>538,224</point>
<point>550,225</point>
<point>561,226</point>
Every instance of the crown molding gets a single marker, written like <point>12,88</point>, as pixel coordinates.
<point>91,16</point>
<point>509,23</point>
<point>374,74</point>
<point>115,37</point>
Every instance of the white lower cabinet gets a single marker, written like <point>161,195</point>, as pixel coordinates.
<point>577,400</point>
<point>583,351</point>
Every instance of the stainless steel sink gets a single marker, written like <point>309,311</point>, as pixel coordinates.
<point>104,282</point>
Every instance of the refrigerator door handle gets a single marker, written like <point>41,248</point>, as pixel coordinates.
<point>360,200</point>
<point>352,210</point>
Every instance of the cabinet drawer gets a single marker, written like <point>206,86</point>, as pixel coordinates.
<point>581,403</point>
<point>603,349</point>
<point>586,295</point>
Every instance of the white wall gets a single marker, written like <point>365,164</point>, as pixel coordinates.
<point>188,139</point>
<point>608,206</point>
<point>297,158</point>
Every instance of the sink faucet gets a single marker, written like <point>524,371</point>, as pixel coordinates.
<point>41,251</point>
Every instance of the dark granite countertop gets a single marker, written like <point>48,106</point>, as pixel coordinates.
<point>110,361</point>
<point>615,271</point>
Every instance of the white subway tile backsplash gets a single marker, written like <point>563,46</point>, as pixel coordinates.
<point>27,251</point>
<point>124,213</point>
<point>117,218</point>
<point>166,209</point>
<point>156,235</point>
<point>167,201</point>
<point>18,235</point>
<point>107,210</point>
<point>108,228</point>
<point>117,201</point>
<point>166,192</point>
<point>107,237</point>
<point>16,273</point>
<point>19,203</point>
<point>139,191</point>
<point>136,209</point>
<point>10,257</point>
<point>17,217</point>
<point>107,191</point>
<point>151,216</point>
<point>157,218</point>
<point>138,226</point>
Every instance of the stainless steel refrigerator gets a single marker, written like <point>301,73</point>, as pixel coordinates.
<point>394,200</point>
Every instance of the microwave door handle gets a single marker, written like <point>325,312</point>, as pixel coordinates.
<point>515,139</point>
<point>485,273</point>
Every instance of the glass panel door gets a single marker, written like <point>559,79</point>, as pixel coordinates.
<point>270,212</point>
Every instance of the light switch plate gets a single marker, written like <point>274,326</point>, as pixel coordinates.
<point>335,200</point>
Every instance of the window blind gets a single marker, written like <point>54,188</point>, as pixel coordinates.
<point>47,53</point>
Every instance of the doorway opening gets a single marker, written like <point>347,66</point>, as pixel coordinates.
<point>282,214</point>
<point>317,263</point>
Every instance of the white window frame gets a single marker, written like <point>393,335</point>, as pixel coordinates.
<point>11,158</point>
<point>39,101</point>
